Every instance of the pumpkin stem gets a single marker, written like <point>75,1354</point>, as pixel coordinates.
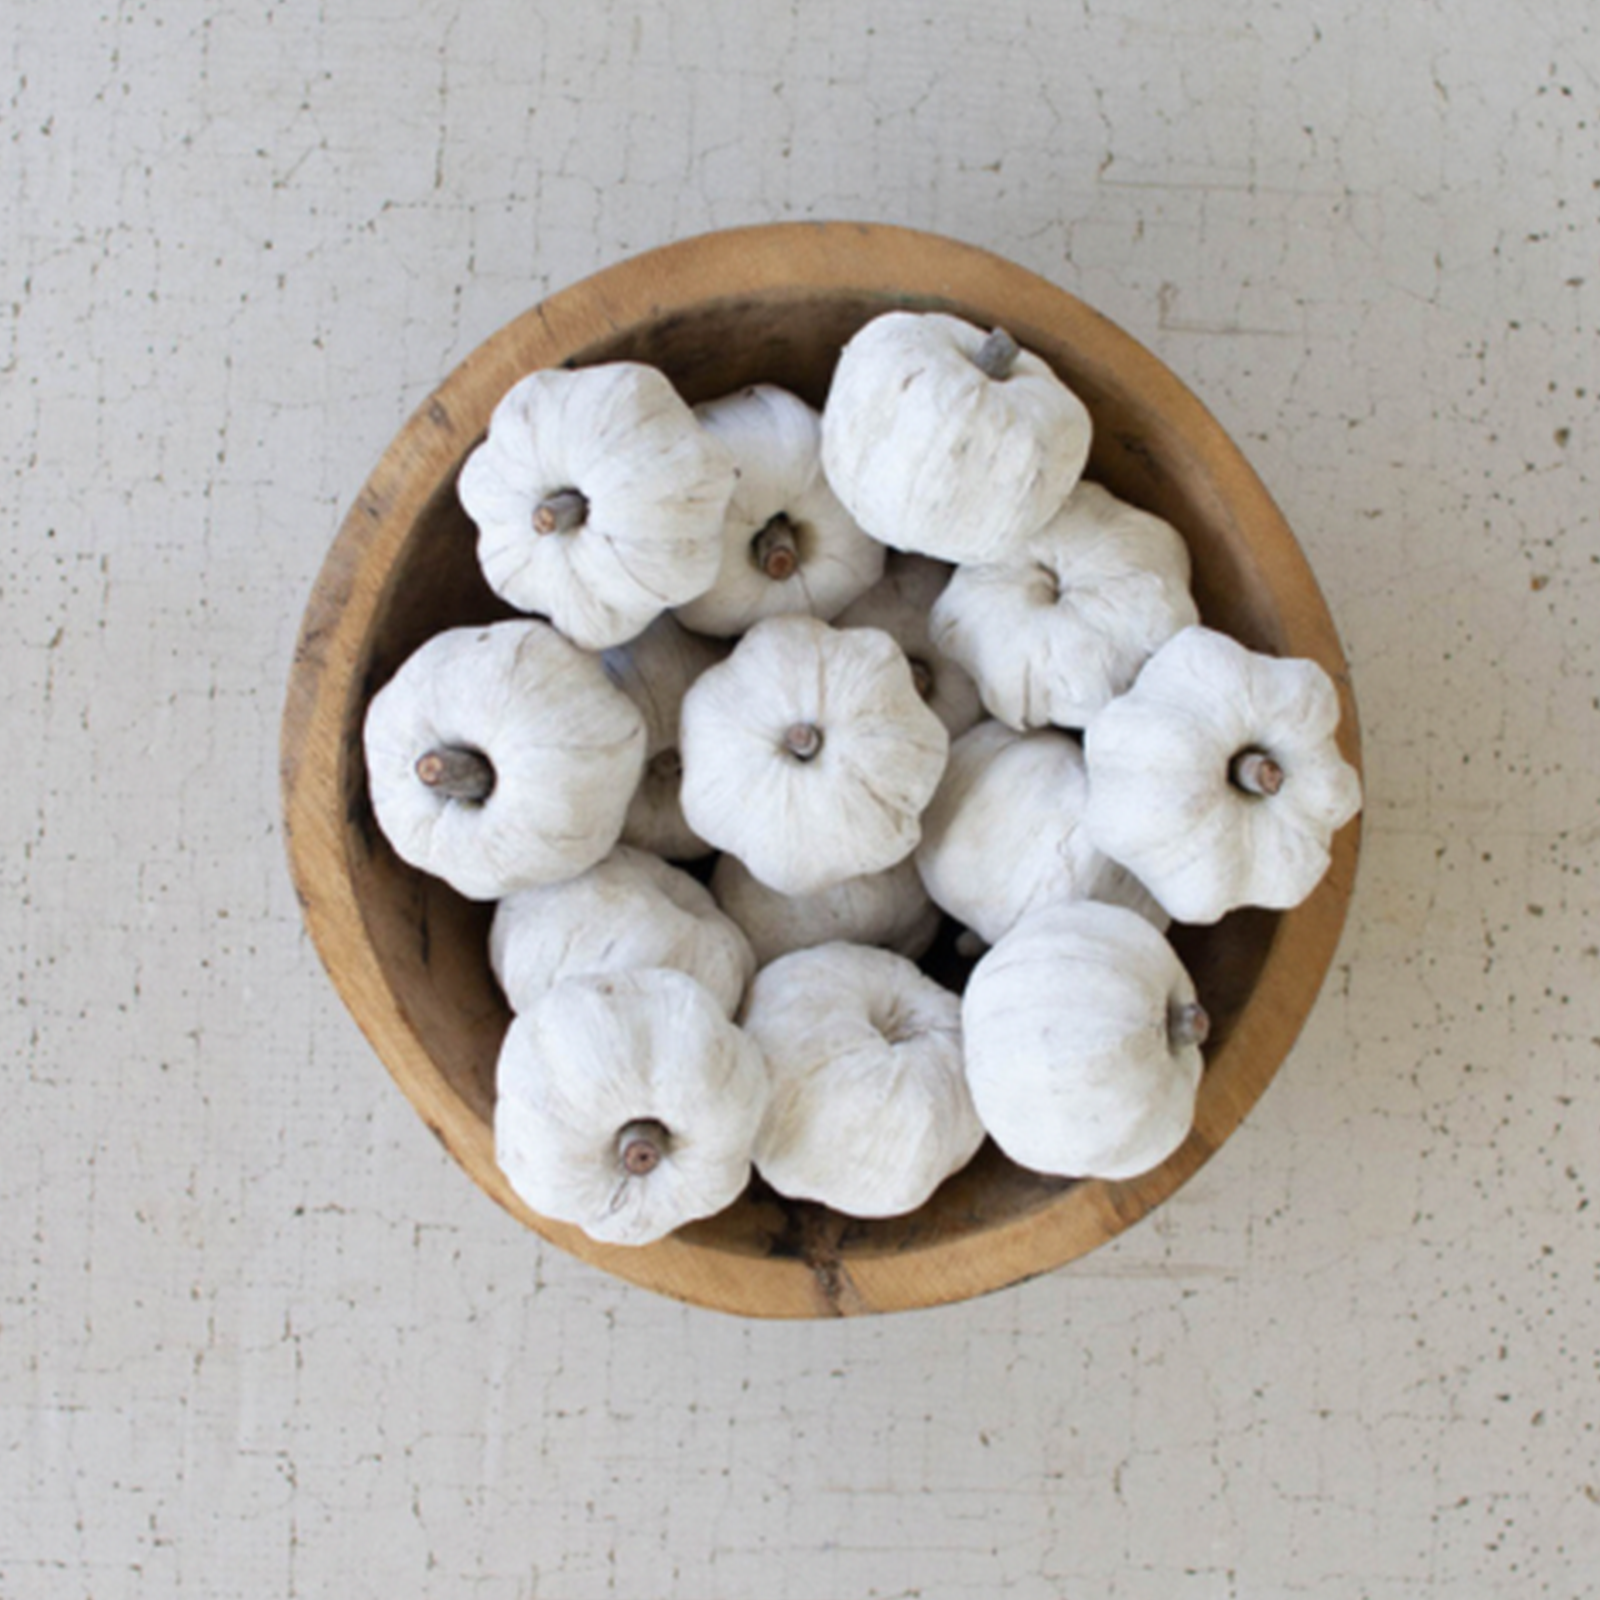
<point>997,355</point>
<point>1256,772</point>
<point>1187,1025</point>
<point>666,764</point>
<point>641,1146</point>
<point>456,772</point>
<point>922,677</point>
<point>561,512</point>
<point>894,1028</point>
<point>775,550</point>
<point>803,740</point>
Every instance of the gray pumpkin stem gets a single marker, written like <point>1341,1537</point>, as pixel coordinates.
<point>922,677</point>
<point>561,512</point>
<point>667,765</point>
<point>997,355</point>
<point>775,549</point>
<point>803,740</point>
<point>457,773</point>
<point>641,1146</point>
<point>1187,1024</point>
<point>1256,772</point>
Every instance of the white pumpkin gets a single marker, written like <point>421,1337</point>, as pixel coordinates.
<point>1057,628</point>
<point>501,757</point>
<point>900,603</point>
<point>870,1110</point>
<point>1083,1037</point>
<point>1217,778</point>
<point>1005,832</point>
<point>628,1105</point>
<point>809,754</point>
<point>943,440</point>
<point>788,545</point>
<point>631,910</point>
<point>598,499</point>
<point>655,671</point>
<point>889,908</point>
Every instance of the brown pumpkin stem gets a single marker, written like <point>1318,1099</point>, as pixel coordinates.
<point>561,512</point>
<point>775,549</point>
<point>457,773</point>
<point>666,765</point>
<point>641,1146</point>
<point>997,355</point>
<point>922,677</point>
<point>1256,772</point>
<point>803,740</point>
<point>1187,1025</point>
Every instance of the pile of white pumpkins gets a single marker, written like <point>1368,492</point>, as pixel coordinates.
<point>892,661</point>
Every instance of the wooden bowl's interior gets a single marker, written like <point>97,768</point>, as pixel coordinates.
<point>431,944</point>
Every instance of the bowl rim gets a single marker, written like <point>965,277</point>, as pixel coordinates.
<point>821,1277</point>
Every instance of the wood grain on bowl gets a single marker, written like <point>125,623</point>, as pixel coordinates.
<point>774,304</point>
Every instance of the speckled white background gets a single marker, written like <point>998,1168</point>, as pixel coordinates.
<point>259,1337</point>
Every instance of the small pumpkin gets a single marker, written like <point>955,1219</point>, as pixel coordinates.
<point>598,499</point>
<point>1083,1037</point>
<point>809,754</point>
<point>655,671</point>
<point>502,757</point>
<point>1005,832</point>
<point>1217,778</point>
<point>627,1104</point>
<point>870,1110</point>
<point>1057,628</point>
<point>900,603</point>
<point>889,908</point>
<point>631,910</point>
<point>942,439</point>
<point>788,545</point>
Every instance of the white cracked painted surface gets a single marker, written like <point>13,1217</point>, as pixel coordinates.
<point>259,1337</point>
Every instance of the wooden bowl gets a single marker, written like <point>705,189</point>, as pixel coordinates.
<point>409,956</point>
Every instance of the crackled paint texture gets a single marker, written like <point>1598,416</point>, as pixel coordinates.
<point>258,1336</point>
